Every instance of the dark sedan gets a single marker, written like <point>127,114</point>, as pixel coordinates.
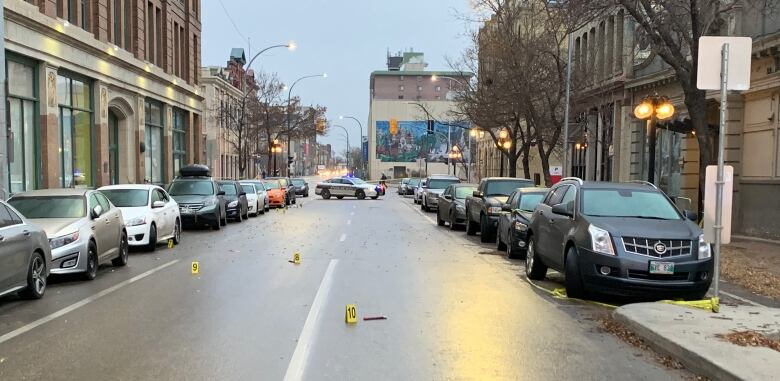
<point>514,220</point>
<point>301,187</point>
<point>235,197</point>
<point>451,204</point>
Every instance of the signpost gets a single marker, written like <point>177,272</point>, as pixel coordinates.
<point>734,74</point>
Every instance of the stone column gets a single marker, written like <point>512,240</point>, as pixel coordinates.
<point>100,144</point>
<point>51,165</point>
<point>140,138</point>
<point>168,143</point>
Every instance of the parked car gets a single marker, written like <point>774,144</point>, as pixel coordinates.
<point>255,206</point>
<point>402,185</point>
<point>407,188</point>
<point>452,207</point>
<point>418,191</point>
<point>276,193</point>
<point>289,193</point>
<point>200,200</point>
<point>484,206</point>
<point>150,214</point>
<point>434,186</point>
<point>83,227</point>
<point>618,238</point>
<point>514,220</point>
<point>341,187</point>
<point>301,187</point>
<point>262,194</point>
<point>235,197</point>
<point>25,255</point>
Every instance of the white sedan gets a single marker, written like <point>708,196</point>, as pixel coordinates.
<point>151,215</point>
<point>253,195</point>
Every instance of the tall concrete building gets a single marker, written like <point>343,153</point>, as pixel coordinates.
<point>417,101</point>
<point>101,92</point>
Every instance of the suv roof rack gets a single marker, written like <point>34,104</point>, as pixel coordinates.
<point>577,179</point>
<point>643,182</point>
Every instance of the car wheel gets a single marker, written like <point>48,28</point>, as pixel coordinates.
<point>487,235</point>
<point>453,226</point>
<point>500,245</point>
<point>152,245</point>
<point>471,228</point>
<point>294,200</point>
<point>240,216</point>
<point>573,281</point>
<point>534,268</point>
<point>121,260</point>
<point>512,252</point>
<point>325,194</point>
<point>374,197</point>
<point>177,232</point>
<point>92,262</point>
<point>439,221</point>
<point>339,197</point>
<point>360,194</point>
<point>224,221</point>
<point>36,278</point>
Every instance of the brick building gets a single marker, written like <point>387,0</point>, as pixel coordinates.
<point>102,92</point>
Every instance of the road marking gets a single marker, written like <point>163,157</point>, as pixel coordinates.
<point>81,303</point>
<point>349,222</point>
<point>302,350</point>
<point>741,299</point>
<point>343,237</point>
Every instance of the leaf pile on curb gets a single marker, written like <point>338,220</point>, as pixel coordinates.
<point>618,329</point>
<point>748,272</point>
<point>750,339</point>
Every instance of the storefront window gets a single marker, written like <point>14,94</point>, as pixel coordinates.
<point>154,162</point>
<point>179,142</point>
<point>22,98</point>
<point>75,132</point>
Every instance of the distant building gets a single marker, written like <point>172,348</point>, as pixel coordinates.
<point>403,93</point>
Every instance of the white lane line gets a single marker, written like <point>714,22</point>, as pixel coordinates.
<point>81,303</point>
<point>306,340</point>
<point>424,215</point>
<point>349,222</point>
<point>741,299</point>
<point>343,237</point>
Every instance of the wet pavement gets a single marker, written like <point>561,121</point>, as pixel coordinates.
<point>456,309</point>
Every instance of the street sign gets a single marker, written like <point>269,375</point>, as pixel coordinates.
<point>709,68</point>
<point>351,314</point>
<point>710,198</point>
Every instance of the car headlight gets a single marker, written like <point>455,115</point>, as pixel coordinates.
<point>233,204</point>
<point>494,209</point>
<point>63,240</point>
<point>210,202</point>
<point>601,241</point>
<point>705,250</point>
<point>520,226</point>
<point>136,221</point>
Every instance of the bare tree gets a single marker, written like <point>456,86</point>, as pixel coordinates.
<point>233,116</point>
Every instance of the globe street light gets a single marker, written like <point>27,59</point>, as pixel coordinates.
<point>276,148</point>
<point>503,144</point>
<point>455,154</point>
<point>653,108</point>
<point>361,140</point>
<point>289,112</point>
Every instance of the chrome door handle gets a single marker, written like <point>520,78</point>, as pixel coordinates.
<point>26,233</point>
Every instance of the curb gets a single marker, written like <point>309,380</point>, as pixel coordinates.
<point>692,360</point>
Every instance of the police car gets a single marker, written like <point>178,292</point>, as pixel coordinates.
<point>341,187</point>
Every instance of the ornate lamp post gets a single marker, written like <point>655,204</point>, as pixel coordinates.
<point>503,144</point>
<point>455,154</point>
<point>653,108</point>
<point>276,148</point>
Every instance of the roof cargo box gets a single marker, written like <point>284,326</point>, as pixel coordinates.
<point>195,170</point>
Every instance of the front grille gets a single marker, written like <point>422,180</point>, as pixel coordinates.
<point>637,274</point>
<point>195,206</point>
<point>647,247</point>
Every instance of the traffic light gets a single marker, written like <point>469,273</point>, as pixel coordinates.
<point>430,127</point>
<point>393,126</point>
<point>290,160</point>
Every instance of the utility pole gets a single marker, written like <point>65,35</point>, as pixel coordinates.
<point>3,110</point>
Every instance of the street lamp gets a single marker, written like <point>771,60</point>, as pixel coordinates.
<point>503,144</point>
<point>361,140</point>
<point>653,108</point>
<point>289,112</point>
<point>276,148</point>
<point>346,132</point>
<point>474,133</point>
<point>455,154</point>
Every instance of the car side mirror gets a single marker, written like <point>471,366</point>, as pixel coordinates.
<point>447,197</point>
<point>158,204</point>
<point>563,210</point>
<point>242,194</point>
<point>97,211</point>
<point>691,215</point>
<point>506,208</point>
<point>477,194</point>
<point>221,193</point>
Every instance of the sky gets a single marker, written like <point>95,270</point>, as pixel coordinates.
<point>347,39</point>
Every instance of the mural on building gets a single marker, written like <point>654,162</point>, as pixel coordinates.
<point>413,142</point>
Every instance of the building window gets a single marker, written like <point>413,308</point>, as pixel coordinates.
<point>419,88</point>
<point>400,77</point>
<point>75,98</point>
<point>438,89</point>
<point>150,32</point>
<point>400,97</point>
<point>401,88</point>
<point>120,18</point>
<point>22,131</point>
<point>154,161</point>
<point>179,139</point>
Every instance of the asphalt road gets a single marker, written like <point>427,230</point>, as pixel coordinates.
<point>456,309</point>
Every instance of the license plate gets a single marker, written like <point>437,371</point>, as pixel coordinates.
<point>661,267</point>
<point>185,211</point>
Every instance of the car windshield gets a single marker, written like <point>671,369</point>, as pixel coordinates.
<point>248,188</point>
<point>505,187</point>
<point>272,185</point>
<point>298,182</point>
<point>414,182</point>
<point>441,183</point>
<point>627,203</point>
<point>228,188</point>
<point>127,198</point>
<point>50,206</point>
<point>191,188</point>
<point>529,201</point>
<point>463,192</point>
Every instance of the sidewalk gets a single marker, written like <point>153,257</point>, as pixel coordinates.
<point>693,337</point>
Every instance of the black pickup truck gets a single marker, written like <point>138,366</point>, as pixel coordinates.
<point>484,206</point>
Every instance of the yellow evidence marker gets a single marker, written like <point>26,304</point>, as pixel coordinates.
<point>351,315</point>
<point>170,244</point>
<point>195,267</point>
<point>297,258</point>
